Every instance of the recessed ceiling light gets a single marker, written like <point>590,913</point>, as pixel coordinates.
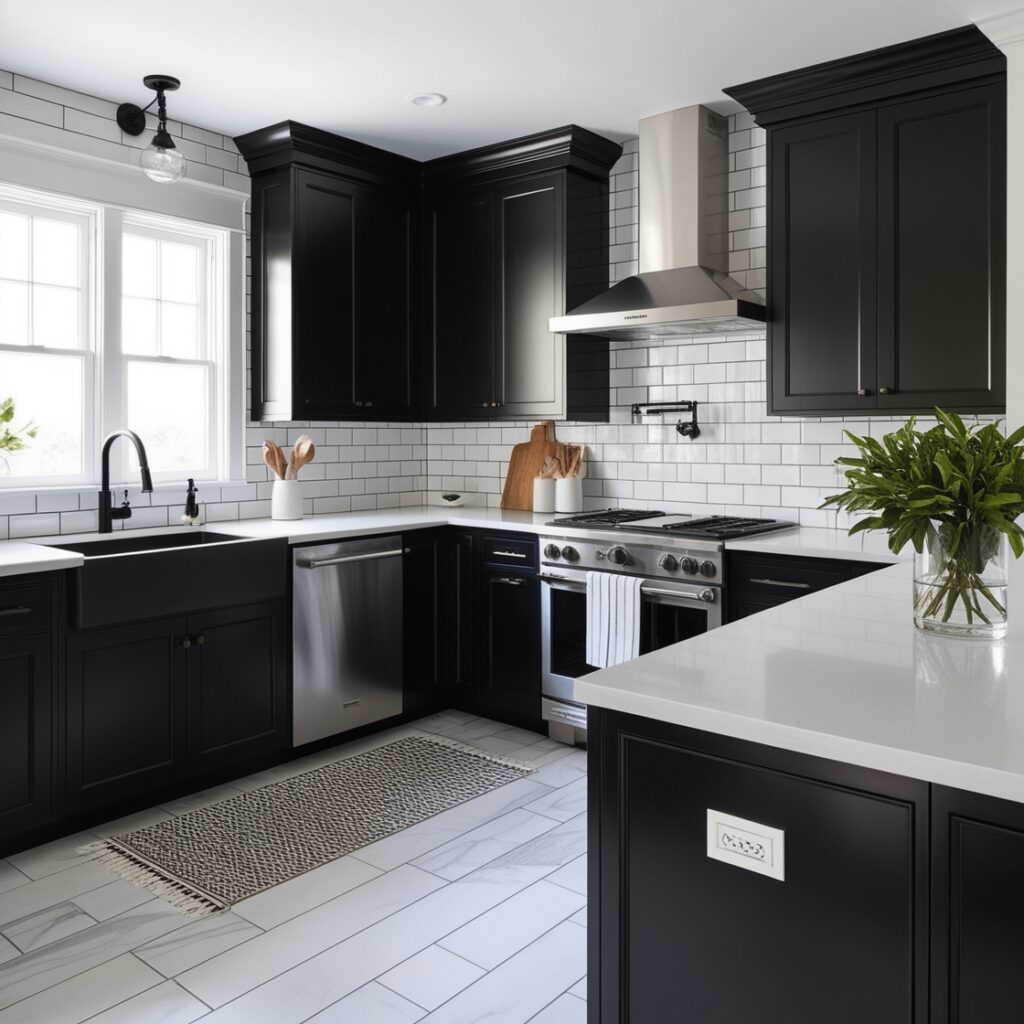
<point>428,99</point>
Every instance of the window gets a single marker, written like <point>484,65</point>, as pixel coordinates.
<point>112,318</point>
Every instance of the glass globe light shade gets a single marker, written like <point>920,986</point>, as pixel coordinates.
<point>162,163</point>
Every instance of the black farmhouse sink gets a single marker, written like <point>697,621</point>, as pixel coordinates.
<point>129,543</point>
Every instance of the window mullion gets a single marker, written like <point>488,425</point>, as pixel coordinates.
<point>111,407</point>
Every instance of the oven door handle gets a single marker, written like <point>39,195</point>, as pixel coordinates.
<point>564,583</point>
<point>707,595</point>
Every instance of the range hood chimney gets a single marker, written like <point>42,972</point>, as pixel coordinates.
<point>684,286</point>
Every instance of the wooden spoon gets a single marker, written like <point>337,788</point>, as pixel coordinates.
<point>303,452</point>
<point>273,458</point>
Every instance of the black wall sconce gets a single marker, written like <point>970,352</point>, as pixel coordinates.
<point>161,160</point>
<point>690,430</point>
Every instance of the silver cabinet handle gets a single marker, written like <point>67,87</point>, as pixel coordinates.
<point>508,580</point>
<point>509,554</point>
<point>18,609</point>
<point>780,583</point>
<point>318,563</point>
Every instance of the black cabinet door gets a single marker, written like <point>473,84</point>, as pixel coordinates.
<point>977,907</point>
<point>822,253</point>
<point>842,937</point>
<point>530,360</point>
<point>26,724</point>
<point>510,641</point>
<point>462,612</point>
<point>323,296</point>
<point>462,316</point>
<point>126,710</point>
<point>237,683</point>
<point>384,305</point>
<point>423,618</point>
<point>942,251</point>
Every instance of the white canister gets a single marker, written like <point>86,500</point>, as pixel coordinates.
<point>286,500</point>
<point>544,494</point>
<point>569,494</point>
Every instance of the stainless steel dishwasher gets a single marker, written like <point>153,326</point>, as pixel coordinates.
<point>347,636</point>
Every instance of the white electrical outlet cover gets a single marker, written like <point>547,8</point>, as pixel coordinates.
<point>747,844</point>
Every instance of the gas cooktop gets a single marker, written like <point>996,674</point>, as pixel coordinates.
<point>648,521</point>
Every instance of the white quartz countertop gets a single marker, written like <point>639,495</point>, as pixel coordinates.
<point>17,557</point>
<point>20,557</point>
<point>843,674</point>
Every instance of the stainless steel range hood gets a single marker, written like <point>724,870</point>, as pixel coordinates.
<point>683,287</point>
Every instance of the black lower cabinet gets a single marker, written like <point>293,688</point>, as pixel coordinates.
<point>509,660</point>
<point>460,575</point>
<point>237,690</point>
<point>423,619</point>
<point>27,695</point>
<point>678,935</point>
<point>126,710</point>
<point>977,908</point>
<point>153,702</point>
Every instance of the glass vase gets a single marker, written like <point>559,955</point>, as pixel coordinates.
<point>962,593</point>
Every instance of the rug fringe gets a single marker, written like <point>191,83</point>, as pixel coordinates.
<point>186,898</point>
<point>465,748</point>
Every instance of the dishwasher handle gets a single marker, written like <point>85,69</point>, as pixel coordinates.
<point>319,563</point>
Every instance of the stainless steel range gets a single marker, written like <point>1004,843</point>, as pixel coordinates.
<point>681,562</point>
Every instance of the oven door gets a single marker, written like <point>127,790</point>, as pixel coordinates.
<point>670,612</point>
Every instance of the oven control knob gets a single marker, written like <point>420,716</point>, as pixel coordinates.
<point>708,568</point>
<point>552,551</point>
<point>689,566</point>
<point>617,555</point>
<point>668,562</point>
<point>570,554</point>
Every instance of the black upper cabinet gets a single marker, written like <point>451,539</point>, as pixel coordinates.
<point>461,234</point>
<point>516,233</point>
<point>887,229</point>
<point>334,247</point>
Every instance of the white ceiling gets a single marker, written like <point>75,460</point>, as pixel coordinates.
<point>509,67</point>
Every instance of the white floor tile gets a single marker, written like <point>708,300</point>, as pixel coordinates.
<point>37,971</point>
<point>51,890</point>
<point>84,995</point>
<point>484,844</point>
<point>431,977</point>
<point>497,745</point>
<point>259,960</point>
<point>166,1003</point>
<point>522,986</point>
<point>580,918</point>
<point>290,899</point>
<point>46,926</point>
<point>8,950</point>
<point>564,803</point>
<point>111,899</point>
<point>566,1009</point>
<point>371,1004</point>
<point>196,942</point>
<point>562,772</point>
<point>573,876</point>
<point>427,835</point>
<point>10,876</point>
<point>56,856</point>
<point>580,988</point>
<point>513,925</point>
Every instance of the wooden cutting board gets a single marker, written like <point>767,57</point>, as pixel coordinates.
<point>526,463</point>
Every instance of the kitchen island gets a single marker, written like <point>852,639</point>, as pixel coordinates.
<point>814,813</point>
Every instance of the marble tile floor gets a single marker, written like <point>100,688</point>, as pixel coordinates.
<point>478,913</point>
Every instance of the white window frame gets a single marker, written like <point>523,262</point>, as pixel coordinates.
<point>104,385</point>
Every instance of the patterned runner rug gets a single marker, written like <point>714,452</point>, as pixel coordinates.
<point>210,858</point>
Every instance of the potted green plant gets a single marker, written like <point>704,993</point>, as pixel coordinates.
<point>12,440</point>
<point>954,492</point>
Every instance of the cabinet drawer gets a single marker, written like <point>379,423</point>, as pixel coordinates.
<point>783,581</point>
<point>25,608</point>
<point>519,551</point>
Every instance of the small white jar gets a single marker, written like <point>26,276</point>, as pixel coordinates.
<point>569,494</point>
<point>544,494</point>
<point>286,500</point>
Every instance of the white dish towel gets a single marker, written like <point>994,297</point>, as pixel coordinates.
<point>613,618</point>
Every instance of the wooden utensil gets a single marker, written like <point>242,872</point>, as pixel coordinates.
<point>303,453</point>
<point>526,462</point>
<point>273,458</point>
<point>572,459</point>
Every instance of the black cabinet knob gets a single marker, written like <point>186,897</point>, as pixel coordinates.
<point>863,392</point>
<point>885,391</point>
<point>184,642</point>
<point>199,640</point>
